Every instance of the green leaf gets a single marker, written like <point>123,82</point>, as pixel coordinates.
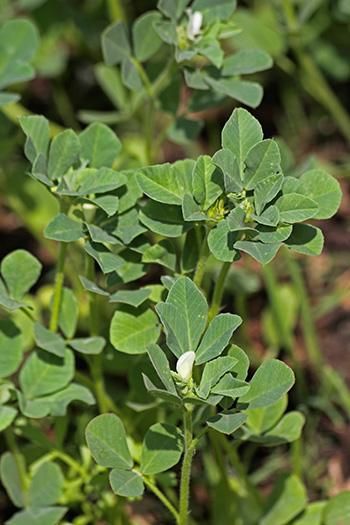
<point>165,182</point>
<point>217,337</point>
<point>306,239</point>
<point>206,184</point>
<point>260,420</point>
<point>241,132</point>
<point>313,515</point>
<point>69,312</point>
<point>287,430</point>
<point>322,188</point>
<point>269,217</point>
<point>146,40</point>
<point>294,207</point>
<point>11,343</point>
<point>337,511</point>
<point>92,287</point>
<point>128,227</point>
<point>227,423</point>
<point>262,162</point>
<point>268,235</point>
<point>227,162</point>
<point>184,315</point>
<point>221,10</point>
<point>46,486</point>
<point>99,145</point>
<point>59,401</point>
<point>133,330</point>
<point>161,365</point>
<point>163,395</point>
<point>20,271</point>
<point>64,229</point>
<point>63,154</point>
<point>49,341</point>
<point>246,61</point>
<point>42,516</point>
<point>130,75</point>
<point>242,366</point>
<point>101,181</point>
<point>37,131</point>
<point>162,449</point>
<point>115,44</point>
<point>210,48</point>
<point>7,416</point>
<point>44,373</point>
<point>6,301</point>
<point>172,9</point>
<point>229,386</point>
<point>213,372</point>
<point>107,261</point>
<point>126,483</point>
<point>221,242</point>
<point>106,439</point>
<point>166,220</point>
<point>236,221</point>
<point>263,253</point>
<point>162,253</point>
<point>11,479</point>
<point>270,382</point>
<point>88,345</point>
<point>19,39</point>
<point>249,93</point>
<point>184,131</point>
<point>266,190</point>
<point>292,500</point>
<point>131,297</point>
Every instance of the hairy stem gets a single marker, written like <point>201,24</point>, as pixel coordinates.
<point>203,256</point>
<point>162,497</point>
<point>186,468</point>
<point>219,290</point>
<point>58,289</point>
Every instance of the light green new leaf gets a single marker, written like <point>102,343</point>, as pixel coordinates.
<point>313,515</point>
<point>306,239</point>
<point>242,366</point>
<point>266,189</point>
<point>287,430</point>
<point>294,207</point>
<point>49,341</point>
<point>260,420</point>
<point>20,270</point>
<point>337,511</point>
<point>115,44</point>
<point>11,479</point>
<point>11,347</point>
<point>130,75</point>
<point>165,182</point>
<point>126,483</point>
<point>161,365</point>
<point>206,182</point>
<point>37,131</point>
<point>249,93</point>
<point>64,229</point>
<point>7,416</point>
<point>246,61</point>
<point>227,423</point>
<point>19,39</point>
<point>163,253</point>
<point>324,189</point>
<point>69,313</point>
<point>270,382</point>
<point>227,162</point>
<point>44,373</point>
<point>213,372</point>
<point>131,297</point>
<point>102,181</point>
<point>162,448</point>
<point>46,486</point>
<point>38,516</point>
<point>217,337</point>
<point>133,330</point>
<point>59,401</point>
<point>99,145</point>
<point>292,500</point>
<point>269,217</point>
<point>6,301</point>
<point>64,153</point>
<point>230,386</point>
<point>145,38</point>
<point>241,132</point>
<point>106,439</point>
<point>88,345</point>
<point>262,162</point>
<point>263,253</point>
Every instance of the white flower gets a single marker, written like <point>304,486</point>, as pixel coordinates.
<point>194,24</point>
<point>184,365</point>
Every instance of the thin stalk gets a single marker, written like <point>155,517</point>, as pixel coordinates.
<point>203,256</point>
<point>186,469</point>
<point>219,290</point>
<point>18,457</point>
<point>116,10</point>
<point>162,497</point>
<point>58,289</point>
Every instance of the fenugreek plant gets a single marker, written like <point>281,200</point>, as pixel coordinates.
<point>144,251</point>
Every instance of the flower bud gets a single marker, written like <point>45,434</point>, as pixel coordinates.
<point>184,365</point>
<point>194,24</point>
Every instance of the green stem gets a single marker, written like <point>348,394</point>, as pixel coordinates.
<point>203,256</point>
<point>116,10</point>
<point>190,445</point>
<point>219,290</point>
<point>162,497</point>
<point>58,289</point>
<point>19,459</point>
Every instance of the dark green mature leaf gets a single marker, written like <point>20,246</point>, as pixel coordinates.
<point>242,366</point>
<point>217,337</point>
<point>115,44</point>
<point>101,181</point>
<point>133,330</point>
<point>7,416</point>
<point>184,131</point>
<point>63,154</point>
<point>131,297</point>
<point>263,253</point>
<point>6,301</point>
<point>246,61</point>
<point>165,182</point>
<point>266,190</point>
<point>107,260</point>
<point>249,93</point>
<point>270,382</point>
<point>172,9</point>
<point>64,229</point>
<point>227,162</point>
<point>88,345</point>
<point>322,188</point>
<point>106,439</point>
<point>37,131</point>
<point>221,10</point>
<point>291,502</point>
<point>269,217</point>
<point>69,312</point>
<point>20,270</point>
<point>230,386</point>
<point>126,483</point>
<point>213,372</point>
<point>11,479</point>
<point>163,395</point>
<point>162,448</point>
<point>11,344</point>
<point>166,220</point>
<point>206,182</point>
<point>337,511</point>
<point>49,341</point>
<point>161,366</point>
<point>44,373</point>
<point>130,75</point>
<point>39,516</point>
<point>262,161</point>
<point>99,145</point>
<point>227,423</point>
<point>162,253</point>
<point>221,242</point>
<point>294,207</point>
<point>306,239</point>
<point>268,235</point>
<point>241,132</point>
<point>46,486</point>
<point>145,38</point>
